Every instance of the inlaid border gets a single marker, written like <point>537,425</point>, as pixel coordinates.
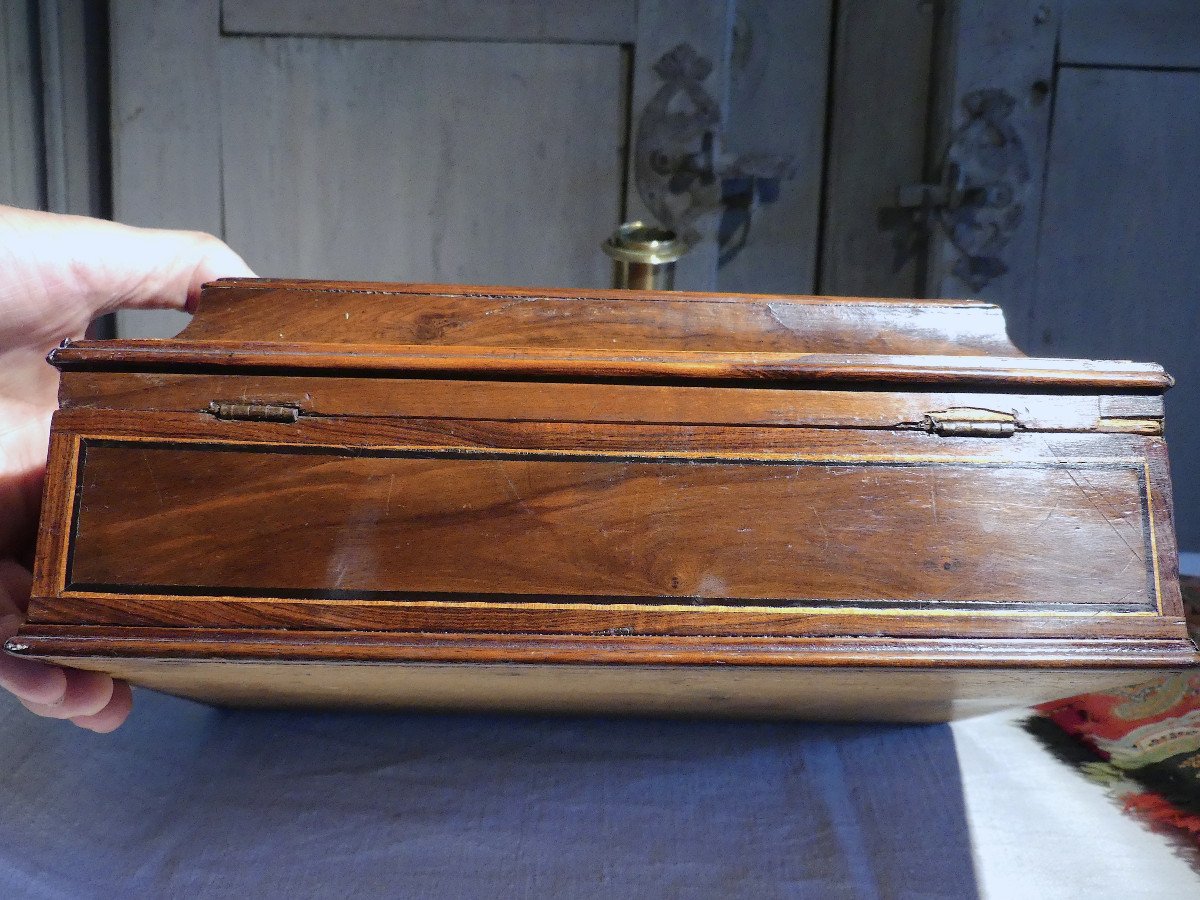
<point>459,600</point>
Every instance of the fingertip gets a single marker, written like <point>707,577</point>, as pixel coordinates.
<point>222,261</point>
<point>86,694</point>
<point>33,681</point>
<point>162,269</point>
<point>113,715</point>
<point>214,259</point>
<point>16,582</point>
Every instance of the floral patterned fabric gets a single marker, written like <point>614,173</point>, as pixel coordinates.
<point>1142,742</point>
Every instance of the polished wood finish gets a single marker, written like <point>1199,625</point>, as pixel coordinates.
<point>915,695</point>
<point>467,398</point>
<point>611,320</point>
<point>931,693</point>
<point>586,526</point>
<point>569,500</point>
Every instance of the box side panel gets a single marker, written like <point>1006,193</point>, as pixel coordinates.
<point>334,523</point>
<point>180,519</point>
<point>842,694</point>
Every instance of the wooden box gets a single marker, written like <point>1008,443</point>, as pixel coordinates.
<point>459,497</point>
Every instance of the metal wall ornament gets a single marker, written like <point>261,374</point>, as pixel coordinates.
<point>676,138</point>
<point>980,199</point>
<point>680,167</point>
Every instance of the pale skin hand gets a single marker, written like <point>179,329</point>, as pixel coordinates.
<point>57,273</point>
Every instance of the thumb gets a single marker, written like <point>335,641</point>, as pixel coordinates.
<point>57,273</point>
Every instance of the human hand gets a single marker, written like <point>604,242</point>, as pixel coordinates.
<point>58,273</point>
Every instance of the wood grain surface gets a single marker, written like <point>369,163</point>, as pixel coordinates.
<point>927,681</point>
<point>562,500</point>
<point>471,398</point>
<point>764,692</point>
<point>502,316</point>
<point>325,522</point>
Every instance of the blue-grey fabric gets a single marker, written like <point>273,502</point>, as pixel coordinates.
<point>188,801</point>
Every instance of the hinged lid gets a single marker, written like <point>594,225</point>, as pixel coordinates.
<point>349,328</point>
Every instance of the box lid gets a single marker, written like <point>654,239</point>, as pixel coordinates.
<point>348,328</point>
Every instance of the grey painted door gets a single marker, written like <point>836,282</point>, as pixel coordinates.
<point>1104,259</point>
<point>468,141</point>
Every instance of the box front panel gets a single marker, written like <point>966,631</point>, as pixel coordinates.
<point>454,526</point>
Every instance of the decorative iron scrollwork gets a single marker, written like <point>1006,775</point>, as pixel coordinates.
<point>676,140</point>
<point>679,167</point>
<point>980,199</point>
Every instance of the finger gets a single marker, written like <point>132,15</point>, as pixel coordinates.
<point>87,694</point>
<point>16,581</point>
<point>27,679</point>
<point>30,680</point>
<point>111,717</point>
<point>57,273</point>
<point>151,268</point>
<point>24,435</point>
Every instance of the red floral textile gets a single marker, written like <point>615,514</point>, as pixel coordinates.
<point>1142,742</point>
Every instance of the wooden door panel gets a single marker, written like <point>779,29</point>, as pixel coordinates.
<point>1120,253</point>
<point>777,106</point>
<point>166,128</point>
<point>422,160</point>
<point>878,119</point>
<point>498,160</point>
<point>466,141</point>
<point>1005,50</point>
<point>560,21</point>
<point>21,180</point>
<point>1128,33</point>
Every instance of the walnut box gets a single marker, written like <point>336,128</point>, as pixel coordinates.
<point>431,496</point>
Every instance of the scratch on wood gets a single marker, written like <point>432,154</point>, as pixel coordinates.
<point>1046,518</point>
<point>343,564</point>
<point>512,488</point>
<point>820,524</point>
<point>1103,515</point>
<point>153,480</point>
<point>774,314</point>
<point>387,503</point>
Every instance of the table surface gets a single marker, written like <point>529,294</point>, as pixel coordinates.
<point>190,801</point>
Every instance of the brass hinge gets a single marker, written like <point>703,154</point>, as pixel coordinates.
<point>253,412</point>
<point>966,422</point>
